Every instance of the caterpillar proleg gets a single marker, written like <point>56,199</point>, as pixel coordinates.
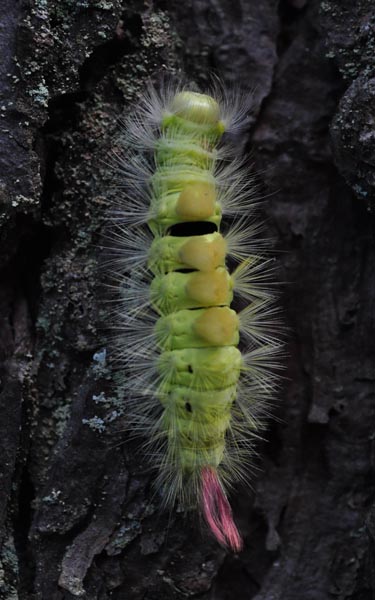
<point>195,395</point>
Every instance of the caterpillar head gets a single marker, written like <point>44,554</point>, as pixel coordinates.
<point>195,107</point>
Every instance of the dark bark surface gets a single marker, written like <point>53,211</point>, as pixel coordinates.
<point>78,516</point>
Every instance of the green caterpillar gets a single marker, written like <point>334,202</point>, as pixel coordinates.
<point>192,391</point>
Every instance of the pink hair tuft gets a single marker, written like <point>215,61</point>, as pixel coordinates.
<point>217,511</point>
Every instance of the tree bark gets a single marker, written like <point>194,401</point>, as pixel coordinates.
<point>78,515</point>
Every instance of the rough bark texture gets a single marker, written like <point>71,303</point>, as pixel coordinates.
<point>77,513</point>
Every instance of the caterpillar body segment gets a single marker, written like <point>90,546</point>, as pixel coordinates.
<point>191,389</point>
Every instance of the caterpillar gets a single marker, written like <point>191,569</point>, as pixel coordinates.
<point>187,245</point>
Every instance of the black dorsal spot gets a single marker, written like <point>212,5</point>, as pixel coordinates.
<point>192,228</point>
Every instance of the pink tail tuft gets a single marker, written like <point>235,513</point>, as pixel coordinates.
<point>217,511</point>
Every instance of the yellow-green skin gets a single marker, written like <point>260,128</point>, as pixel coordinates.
<point>197,333</point>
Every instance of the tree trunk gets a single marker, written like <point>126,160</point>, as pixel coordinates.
<point>79,517</point>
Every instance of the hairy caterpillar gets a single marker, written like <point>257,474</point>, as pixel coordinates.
<point>192,391</point>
